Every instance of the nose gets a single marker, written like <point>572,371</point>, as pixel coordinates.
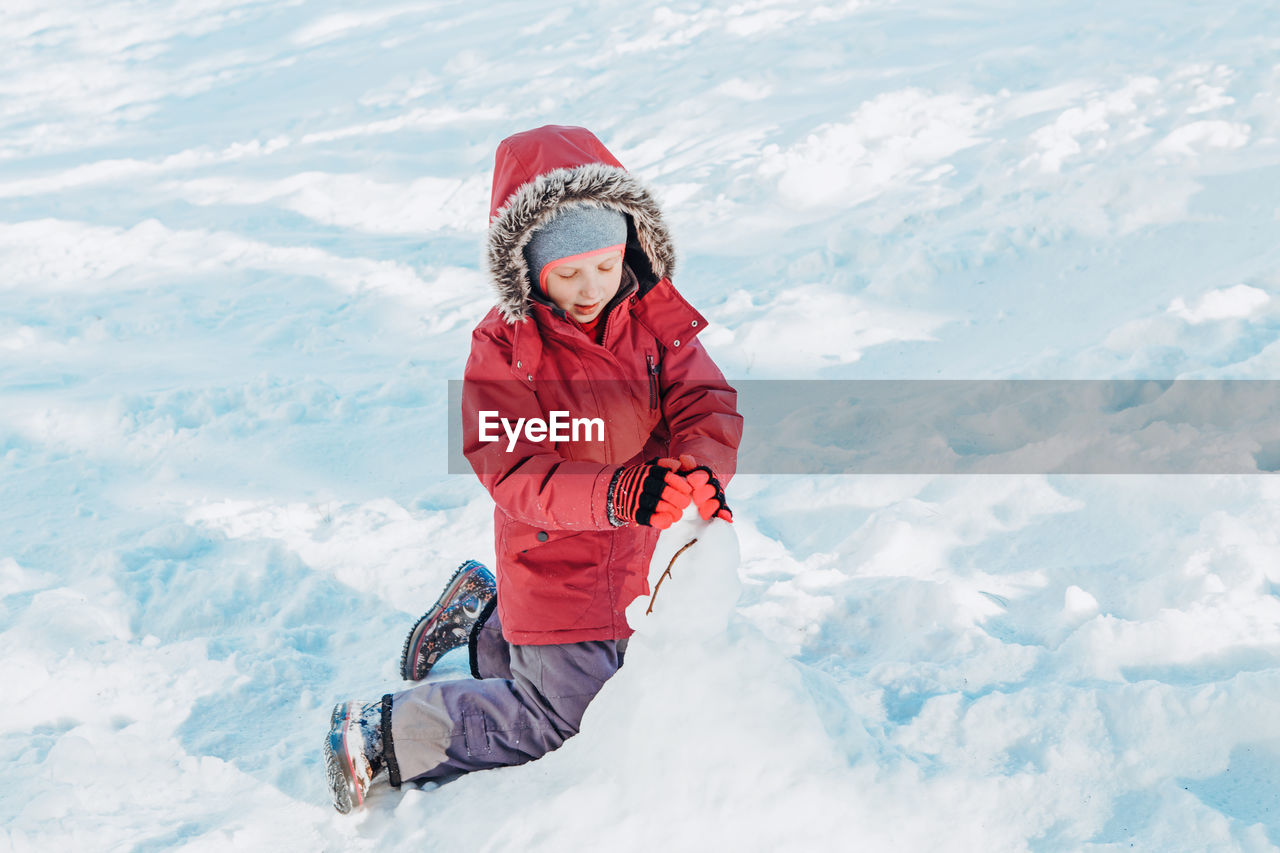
<point>593,285</point>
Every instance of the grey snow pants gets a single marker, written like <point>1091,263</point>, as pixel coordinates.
<point>526,701</point>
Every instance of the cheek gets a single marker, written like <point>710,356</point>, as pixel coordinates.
<point>559,292</point>
<point>613,282</point>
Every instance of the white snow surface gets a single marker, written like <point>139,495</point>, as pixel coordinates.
<point>241,253</point>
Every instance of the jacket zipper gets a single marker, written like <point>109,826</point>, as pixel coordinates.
<point>653,381</point>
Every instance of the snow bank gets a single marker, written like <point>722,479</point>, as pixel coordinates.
<point>241,256</point>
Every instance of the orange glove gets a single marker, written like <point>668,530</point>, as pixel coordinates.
<point>707,494</point>
<point>652,494</point>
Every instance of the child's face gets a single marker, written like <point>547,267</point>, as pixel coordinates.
<point>582,288</point>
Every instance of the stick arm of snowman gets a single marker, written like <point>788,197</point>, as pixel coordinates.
<point>667,573</point>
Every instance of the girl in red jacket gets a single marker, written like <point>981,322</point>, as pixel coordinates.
<point>593,416</point>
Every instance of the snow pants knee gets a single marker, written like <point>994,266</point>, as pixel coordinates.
<point>525,702</point>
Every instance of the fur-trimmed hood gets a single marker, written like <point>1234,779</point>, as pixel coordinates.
<point>539,171</point>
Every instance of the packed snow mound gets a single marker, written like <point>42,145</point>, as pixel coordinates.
<point>708,733</point>
<point>693,582</point>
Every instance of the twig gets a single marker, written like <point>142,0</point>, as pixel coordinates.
<point>666,574</point>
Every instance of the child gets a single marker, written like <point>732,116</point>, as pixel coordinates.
<point>588,325</point>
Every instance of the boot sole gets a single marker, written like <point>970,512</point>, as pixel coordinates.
<point>427,623</point>
<point>337,761</point>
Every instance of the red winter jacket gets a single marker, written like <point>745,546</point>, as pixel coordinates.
<point>565,574</point>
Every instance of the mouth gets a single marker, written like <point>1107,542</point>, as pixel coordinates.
<point>586,309</point>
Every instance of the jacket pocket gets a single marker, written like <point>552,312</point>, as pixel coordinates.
<point>554,580</point>
<point>652,365</point>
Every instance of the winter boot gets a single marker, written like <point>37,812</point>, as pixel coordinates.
<point>448,624</point>
<point>353,754</point>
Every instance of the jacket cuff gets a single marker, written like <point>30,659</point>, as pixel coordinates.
<point>602,498</point>
<point>609,505</point>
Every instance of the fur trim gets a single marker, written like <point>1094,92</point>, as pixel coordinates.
<point>536,201</point>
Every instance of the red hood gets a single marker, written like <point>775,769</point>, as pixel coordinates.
<point>525,156</point>
<point>536,173</point>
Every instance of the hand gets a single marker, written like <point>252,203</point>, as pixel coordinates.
<point>652,494</point>
<point>707,493</point>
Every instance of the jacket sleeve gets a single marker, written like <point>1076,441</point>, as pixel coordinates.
<point>529,481</point>
<point>701,409</point>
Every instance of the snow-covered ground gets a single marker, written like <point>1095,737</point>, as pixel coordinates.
<point>240,249</point>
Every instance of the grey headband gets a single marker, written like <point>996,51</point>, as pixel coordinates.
<point>577,230</point>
